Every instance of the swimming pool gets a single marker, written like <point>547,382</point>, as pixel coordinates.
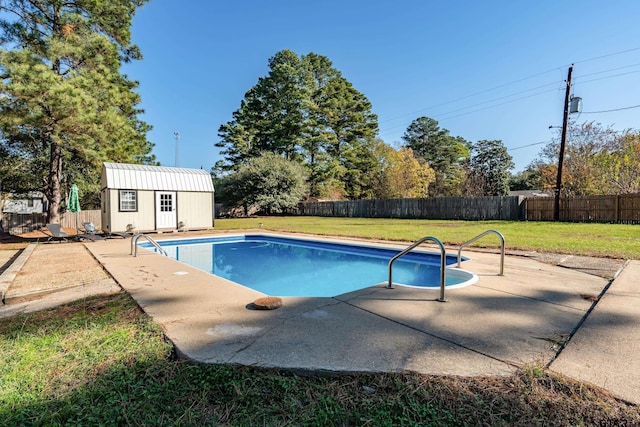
<point>284,266</point>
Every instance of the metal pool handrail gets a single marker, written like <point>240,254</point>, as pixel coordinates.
<point>442,264</point>
<point>482,235</point>
<point>134,244</point>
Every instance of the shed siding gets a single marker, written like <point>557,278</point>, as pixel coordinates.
<point>142,220</point>
<point>105,211</point>
<point>195,210</point>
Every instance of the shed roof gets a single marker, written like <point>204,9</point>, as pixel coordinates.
<point>162,178</point>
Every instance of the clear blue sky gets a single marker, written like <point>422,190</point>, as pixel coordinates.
<point>483,69</point>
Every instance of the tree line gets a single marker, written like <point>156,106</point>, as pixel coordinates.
<point>305,119</point>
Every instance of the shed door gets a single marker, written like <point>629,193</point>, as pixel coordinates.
<point>166,209</point>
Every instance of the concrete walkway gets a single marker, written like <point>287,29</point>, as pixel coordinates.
<point>489,328</point>
<point>605,350</point>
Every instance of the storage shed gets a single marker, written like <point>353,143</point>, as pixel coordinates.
<point>155,198</point>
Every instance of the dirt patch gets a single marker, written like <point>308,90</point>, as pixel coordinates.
<point>9,242</point>
<point>56,266</point>
<point>43,233</point>
<point>12,242</point>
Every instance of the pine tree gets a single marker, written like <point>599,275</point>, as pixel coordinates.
<point>65,107</point>
<point>489,168</point>
<point>305,110</point>
<point>444,153</point>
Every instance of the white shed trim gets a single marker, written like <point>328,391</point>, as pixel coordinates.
<point>160,178</point>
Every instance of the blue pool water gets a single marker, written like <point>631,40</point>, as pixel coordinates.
<point>282,266</point>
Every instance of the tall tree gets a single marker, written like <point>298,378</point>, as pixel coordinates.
<point>489,169</point>
<point>64,106</point>
<point>401,174</point>
<point>271,115</point>
<point>582,174</point>
<point>528,179</point>
<point>305,109</point>
<point>445,154</point>
<point>619,166</point>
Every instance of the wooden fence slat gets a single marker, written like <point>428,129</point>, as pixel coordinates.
<point>16,224</point>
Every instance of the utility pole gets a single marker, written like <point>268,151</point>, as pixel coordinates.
<point>177,137</point>
<point>563,140</point>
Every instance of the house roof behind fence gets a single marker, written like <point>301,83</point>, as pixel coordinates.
<point>162,178</point>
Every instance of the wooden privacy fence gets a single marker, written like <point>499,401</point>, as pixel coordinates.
<point>24,223</point>
<point>622,209</point>
<point>466,208</point>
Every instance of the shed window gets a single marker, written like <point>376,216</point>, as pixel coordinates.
<point>128,201</point>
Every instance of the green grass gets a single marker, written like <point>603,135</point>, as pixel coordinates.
<point>101,361</point>
<point>599,240</point>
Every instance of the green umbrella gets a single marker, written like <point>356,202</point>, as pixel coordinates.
<point>73,205</point>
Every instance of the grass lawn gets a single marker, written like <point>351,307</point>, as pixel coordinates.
<point>599,240</point>
<point>101,361</point>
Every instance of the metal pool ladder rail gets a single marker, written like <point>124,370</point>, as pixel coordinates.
<point>482,235</point>
<point>442,264</point>
<point>134,244</point>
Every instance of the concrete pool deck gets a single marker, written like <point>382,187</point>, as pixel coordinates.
<point>489,328</point>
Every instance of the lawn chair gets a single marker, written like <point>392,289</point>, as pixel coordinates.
<point>123,235</point>
<point>90,232</point>
<point>57,233</point>
<point>89,228</point>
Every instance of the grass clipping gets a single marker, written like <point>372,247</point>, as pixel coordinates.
<point>102,361</point>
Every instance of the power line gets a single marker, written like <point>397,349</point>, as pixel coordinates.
<point>522,79</point>
<point>440,116</point>
<point>610,77</point>
<point>529,145</point>
<point>471,95</point>
<point>501,97</point>
<point>445,116</point>
<point>495,105</point>
<point>611,69</point>
<point>607,55</point>
<point>608,111</point>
